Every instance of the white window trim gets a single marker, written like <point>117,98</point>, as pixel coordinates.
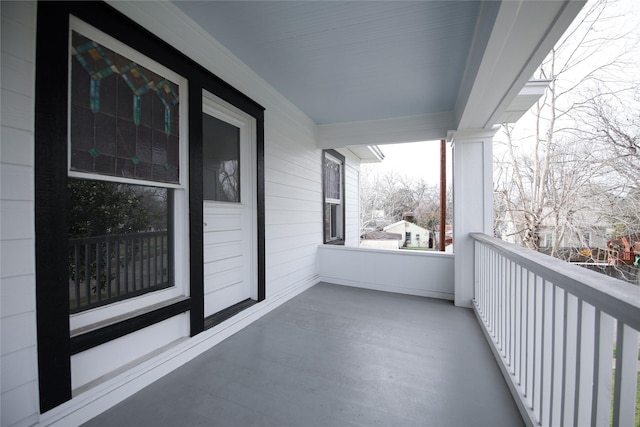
<point>181,251</point>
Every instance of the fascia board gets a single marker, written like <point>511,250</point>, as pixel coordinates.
<point>522,35</point>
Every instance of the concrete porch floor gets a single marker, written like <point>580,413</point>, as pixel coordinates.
<point>336,356</point>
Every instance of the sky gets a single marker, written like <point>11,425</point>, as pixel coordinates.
<point>419,160</point>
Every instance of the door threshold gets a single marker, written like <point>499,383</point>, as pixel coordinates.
<point>227,313</point>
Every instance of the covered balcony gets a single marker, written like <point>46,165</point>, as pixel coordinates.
<point>329,334</point>
<point>561,348</point>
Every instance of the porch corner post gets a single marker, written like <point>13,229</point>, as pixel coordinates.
<point>472,203</point>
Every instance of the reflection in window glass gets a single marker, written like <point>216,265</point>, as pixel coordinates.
<point>221,160</point>
<point>120,242</point>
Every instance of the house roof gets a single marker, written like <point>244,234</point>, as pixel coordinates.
<point>405,70</point>
<point>381,235</point>
<point>404,223</point>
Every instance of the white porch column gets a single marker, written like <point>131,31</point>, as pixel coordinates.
<point>472,203</point>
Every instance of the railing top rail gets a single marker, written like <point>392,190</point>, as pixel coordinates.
<point>124,236</point>
<point>612,296</point>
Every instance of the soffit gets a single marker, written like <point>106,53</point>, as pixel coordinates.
<point>349,61</point>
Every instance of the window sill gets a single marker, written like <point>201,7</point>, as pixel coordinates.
<point>338,242</point>
<point>98,333</point>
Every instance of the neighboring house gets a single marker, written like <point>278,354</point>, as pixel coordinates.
<point>412,235</point>
<point>245,131</point>
<point>381,240</point>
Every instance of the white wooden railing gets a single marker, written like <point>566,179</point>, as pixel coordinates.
<point>553,328</point>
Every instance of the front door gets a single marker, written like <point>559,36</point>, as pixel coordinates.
<point>229,207</point>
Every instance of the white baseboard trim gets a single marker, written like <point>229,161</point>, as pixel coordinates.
<point>388,288</point>
<point>90,403</point>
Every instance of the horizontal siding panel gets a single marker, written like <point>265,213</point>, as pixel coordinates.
<point>282,177</point>
<point>284,276</point>
<point>299,127</point>
<point>22,13</point>
<point>276,189</point>
<point>278,216</point>
<point>16,182</point>
<point>294,205</point>
<point>18,31</point>
<point>295,166</point>
<point>294,243</point>
<point>18,258</point>
<point>17,147</point>
<point>286,256</point>
<point>17,220</point>
<point>20,405</point>
<point>18,295</point>
<point>18,368</point>
<point>18,332</point>
<point>280,231</point>
<point>17,74</point>
<point>17,110</point>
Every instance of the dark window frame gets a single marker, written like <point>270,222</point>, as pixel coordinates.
<point>55,346</point>
<point>327,239</point>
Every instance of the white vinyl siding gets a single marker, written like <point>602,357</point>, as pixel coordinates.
<point>18,356</point>
<point>293,214</point>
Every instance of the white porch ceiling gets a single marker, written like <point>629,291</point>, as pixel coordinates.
<point>437,65</point>
<point>349,61</point>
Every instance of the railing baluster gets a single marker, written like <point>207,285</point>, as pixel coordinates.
<point>624,398</point>
<point>602,371</point>
<point>125,242</point>
<point>584,386</point>
<point>108,262</point>
<point>155,260</point>
<point>527,341</point>
<point>111,263</point>
<point>117,243</point>
<point>548,310</point>
<point>162,252</point>
<point>571,356</point>
<point>76,270</point>
<point>578,358</point>
<point>98,272</point>
<point>551,330</point>
<point>87,272</point>
<point>148,260</point>
<point>557,373</point>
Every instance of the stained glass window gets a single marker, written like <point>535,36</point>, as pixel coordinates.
<point>124,117</point>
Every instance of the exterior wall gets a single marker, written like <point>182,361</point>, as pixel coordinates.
<point>427,274</point>
<point>293,219</point>
<point>403,227</point>
<point>18,357</point>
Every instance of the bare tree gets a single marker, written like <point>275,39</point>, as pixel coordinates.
<point>385,198</point>
<point>549,175</point>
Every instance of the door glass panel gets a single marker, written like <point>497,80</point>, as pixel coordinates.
<point>221,160</point>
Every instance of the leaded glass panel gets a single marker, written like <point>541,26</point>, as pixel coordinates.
<point>124,117</point>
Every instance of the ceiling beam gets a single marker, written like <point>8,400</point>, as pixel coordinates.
<point>424,127</point>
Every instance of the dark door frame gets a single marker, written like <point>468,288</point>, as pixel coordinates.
<point>55,346</point>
